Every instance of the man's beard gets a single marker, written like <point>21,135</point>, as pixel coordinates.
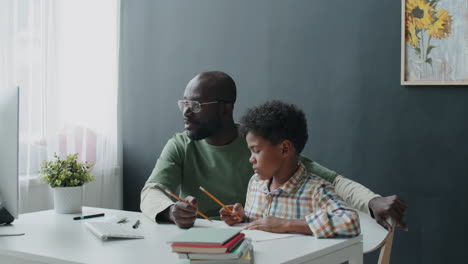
<point>205,130</point>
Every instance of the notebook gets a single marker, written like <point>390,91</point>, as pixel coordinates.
<point>208,248</point>
<point>207,236</point>
<point>106,230</point>
<point>236,253</point>
<point>247,258</point>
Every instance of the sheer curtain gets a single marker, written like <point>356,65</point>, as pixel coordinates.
<point>65,60</point>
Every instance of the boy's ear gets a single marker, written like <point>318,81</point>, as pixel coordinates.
<point>287,147</point>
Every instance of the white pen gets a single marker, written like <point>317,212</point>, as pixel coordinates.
<point>122,220</point>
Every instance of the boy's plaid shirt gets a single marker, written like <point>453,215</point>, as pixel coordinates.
<point>303,196</point>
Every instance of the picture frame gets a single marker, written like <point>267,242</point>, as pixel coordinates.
<point>434,49</point>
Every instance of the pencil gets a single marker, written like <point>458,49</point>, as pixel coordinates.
<point>219,202</point>
<point>180,200</point>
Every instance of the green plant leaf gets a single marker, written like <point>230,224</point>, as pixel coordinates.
<point>418,51</point>
<point>429,60</point>
<point>434,3</point>
<point>66,173</point>
<point>429,49</point>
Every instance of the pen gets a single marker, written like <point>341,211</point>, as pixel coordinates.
<point>180,200</point>
<point>137,224</point>
<point>122,220</point>
<point>219,202</point>
<point>87,216</point>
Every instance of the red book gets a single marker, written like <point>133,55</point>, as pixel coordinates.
<point>213,249</point>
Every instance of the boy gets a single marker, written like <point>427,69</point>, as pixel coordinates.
<point>282,196</point>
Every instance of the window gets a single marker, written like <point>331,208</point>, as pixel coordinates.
<point>66,64</point>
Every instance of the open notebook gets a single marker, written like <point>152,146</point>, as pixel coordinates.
<point>254,235</point>
<point>106,230</point>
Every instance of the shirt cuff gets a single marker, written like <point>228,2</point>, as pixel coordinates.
<point>320,224</point>
<point>345,223</point>
<point>153,200</point>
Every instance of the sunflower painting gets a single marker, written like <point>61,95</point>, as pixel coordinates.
<point>435,42</point>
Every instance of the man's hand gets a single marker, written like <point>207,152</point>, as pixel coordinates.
<point>390,206</point>
<point>183,214</point>
<point>231,219</point>
<point>269,224</point>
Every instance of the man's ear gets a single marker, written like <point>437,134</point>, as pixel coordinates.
<point>228,108</point>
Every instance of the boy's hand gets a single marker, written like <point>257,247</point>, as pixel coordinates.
<point>269,224</point>
<point>231,219</point>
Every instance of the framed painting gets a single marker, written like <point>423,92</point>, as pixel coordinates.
<point>434,42</point>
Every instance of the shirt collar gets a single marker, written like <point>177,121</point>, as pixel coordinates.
<point>289,186</point>
<point>295,181</point>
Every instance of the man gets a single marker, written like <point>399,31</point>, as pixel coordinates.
<point>211,154</point>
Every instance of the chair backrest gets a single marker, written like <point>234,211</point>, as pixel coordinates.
<point>375,237</point>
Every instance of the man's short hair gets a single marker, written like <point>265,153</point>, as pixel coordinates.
<point>276,121</point>
<point>222,83</point>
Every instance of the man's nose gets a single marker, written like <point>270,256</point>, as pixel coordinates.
<point>187,111</point>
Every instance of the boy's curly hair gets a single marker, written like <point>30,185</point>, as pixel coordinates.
<point>276,121</point>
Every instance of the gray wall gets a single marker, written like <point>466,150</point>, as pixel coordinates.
<point>339,61</point>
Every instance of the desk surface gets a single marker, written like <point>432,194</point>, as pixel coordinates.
<point>57,238</point>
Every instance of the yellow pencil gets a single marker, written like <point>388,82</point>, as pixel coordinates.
<point>219,202</point>
<point>180,200</point>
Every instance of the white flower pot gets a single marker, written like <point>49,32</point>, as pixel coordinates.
<point>68,200</point>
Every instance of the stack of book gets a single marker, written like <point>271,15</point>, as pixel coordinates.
<point>213,245</point>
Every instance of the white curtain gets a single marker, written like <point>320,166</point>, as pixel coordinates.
<point>65,57</point>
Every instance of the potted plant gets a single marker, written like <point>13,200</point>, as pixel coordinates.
<point>66,177</point>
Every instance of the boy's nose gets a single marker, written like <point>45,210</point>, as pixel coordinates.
<point>252,160</point>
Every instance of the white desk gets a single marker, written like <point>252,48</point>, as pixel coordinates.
<point>57,238</point>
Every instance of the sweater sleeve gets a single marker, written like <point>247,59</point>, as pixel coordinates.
<point>354,194</point>
<point>318,169</point>
<point>153,200</point>
<point>166,174</point>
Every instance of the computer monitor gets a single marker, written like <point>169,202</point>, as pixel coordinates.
<point>9,116</point>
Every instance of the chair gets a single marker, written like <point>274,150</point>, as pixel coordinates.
<point>375,237</point>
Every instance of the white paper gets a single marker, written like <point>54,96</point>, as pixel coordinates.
<point>255,235</point>
<point>259,235</point>
<point>105,230</point>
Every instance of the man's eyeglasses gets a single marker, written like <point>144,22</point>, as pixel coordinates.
<point>194,106</point>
